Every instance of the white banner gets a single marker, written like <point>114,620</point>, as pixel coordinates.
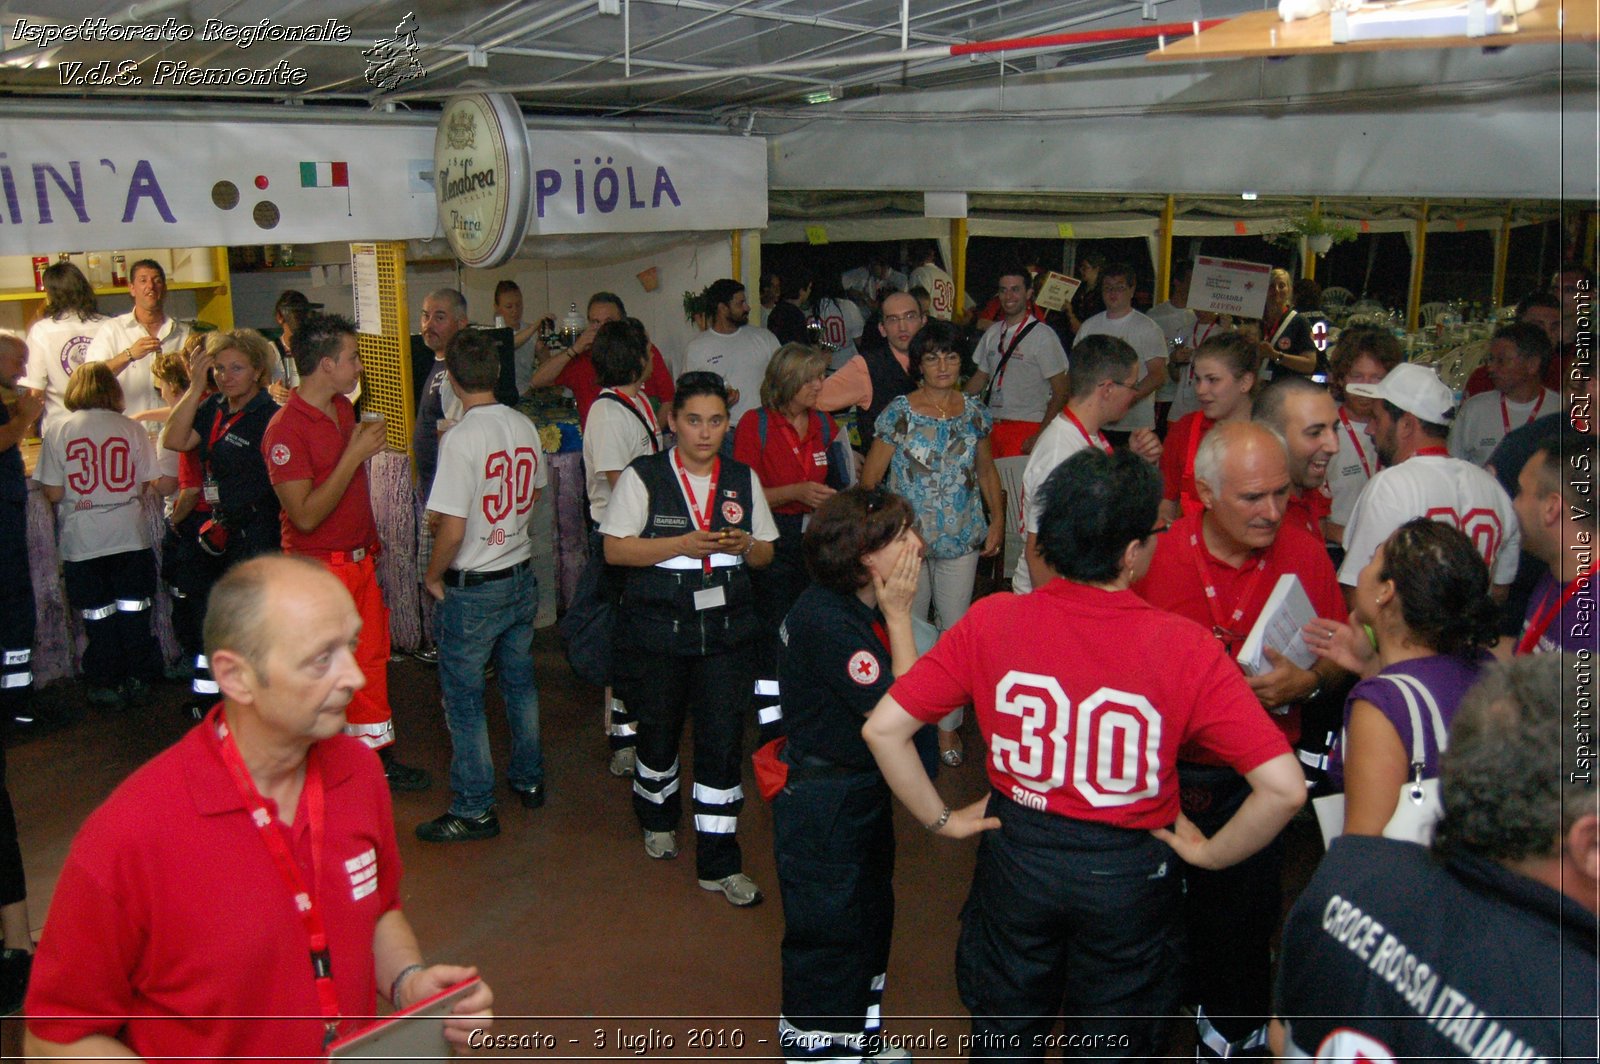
<point>79,185</point>
<point>70,185</point>
<point>645,183</point>
<point>1227,287</point>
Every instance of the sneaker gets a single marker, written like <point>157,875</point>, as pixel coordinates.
<point>453,828</point>
<point>107,697</point>
<point>133,692</point>
<point>737,888</point>
<point>403,777</point>
<point>623,761</point>
<point>530,797</point>
<point>662,845</point>
<point>427,657</point>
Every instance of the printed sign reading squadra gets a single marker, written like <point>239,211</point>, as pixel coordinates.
<point>480,155</point>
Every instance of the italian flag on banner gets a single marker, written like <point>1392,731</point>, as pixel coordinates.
<point>324,175</point>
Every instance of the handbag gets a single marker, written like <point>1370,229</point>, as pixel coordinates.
<point>589,623</point>
<point>1418,807</point>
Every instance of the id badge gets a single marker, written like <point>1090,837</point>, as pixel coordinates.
<point>710,598</point>
<point>212,493</point>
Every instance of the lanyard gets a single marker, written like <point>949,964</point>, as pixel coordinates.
<point>701,517</point>
<point>1221,625</point>
<point>647,412</point>
<point>305,901</point>
<point>1540,623</point>
<point>1425,452</point>
<point>1097,440</point>
<point>1361,452</point>
<point>1505,412</point>
<point>219,428</point>
<point>1007,350</point>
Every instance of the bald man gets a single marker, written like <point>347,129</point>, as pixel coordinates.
<point>267,809</point>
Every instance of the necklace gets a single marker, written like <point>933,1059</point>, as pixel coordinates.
<point>939,406</point>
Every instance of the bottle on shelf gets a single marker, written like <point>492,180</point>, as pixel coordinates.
<point>119,268</point>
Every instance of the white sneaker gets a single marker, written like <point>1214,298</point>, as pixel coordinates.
<point>737,888</point>
<point>623,761</point>
<point>662,845</point>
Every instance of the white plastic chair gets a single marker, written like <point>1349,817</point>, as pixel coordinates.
<point>1336,298</point>
<point>1011,470</point>
<point>1429,313</point>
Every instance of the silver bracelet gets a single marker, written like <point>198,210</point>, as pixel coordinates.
<point>394,987</point>
<point>944,818</point>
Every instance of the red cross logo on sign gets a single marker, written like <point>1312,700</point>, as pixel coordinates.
<point>1319,335</point>
<point>864,668</point>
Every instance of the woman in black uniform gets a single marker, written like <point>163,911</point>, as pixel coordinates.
<point>847,637</point>
<point>684,524</point>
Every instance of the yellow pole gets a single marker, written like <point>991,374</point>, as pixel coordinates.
<point>1418,255</point>
<point>1498,297</point>
<point>958,266</point>
<point>1164,256</point>
<point>1308,258</point>
<point>734,244</point>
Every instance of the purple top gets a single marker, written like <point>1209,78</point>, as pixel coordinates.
<point>1446,676</point>
<point>1574,628</point>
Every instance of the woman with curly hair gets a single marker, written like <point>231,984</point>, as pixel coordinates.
<point>1424,597</point>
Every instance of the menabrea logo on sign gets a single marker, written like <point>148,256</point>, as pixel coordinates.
<point>480,156</point>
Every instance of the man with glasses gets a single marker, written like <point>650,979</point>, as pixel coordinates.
<point>1217,567</point>
<point>1141,333</point>
<point>1022,370</point>
<point>873,379</point>
<point>1104,372</point>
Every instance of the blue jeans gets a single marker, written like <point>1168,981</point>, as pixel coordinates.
<point>469,625</point>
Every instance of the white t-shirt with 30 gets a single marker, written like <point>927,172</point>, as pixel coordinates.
<point>1148,341</point>
<point>491,470</point>
<point>102,461</point>
<point>941,288</point>
<point>1480,424</point>
<point>1444,489</point>
<point>740,357</point>
<point>56,347</point>
<point>613,437</point>
<point>629,508</point>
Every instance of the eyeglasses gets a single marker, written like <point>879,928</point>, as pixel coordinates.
<point>909,319</point>
<point>940,356</point>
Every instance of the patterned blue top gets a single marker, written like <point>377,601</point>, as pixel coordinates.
<point>935,467</point>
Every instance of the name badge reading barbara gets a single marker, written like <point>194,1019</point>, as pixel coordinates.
<point>709,598</point>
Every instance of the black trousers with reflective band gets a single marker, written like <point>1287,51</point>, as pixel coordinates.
<point>664,692</point>
<point>1075,920</point>
<point>113,595</point>
<point>834,844</point>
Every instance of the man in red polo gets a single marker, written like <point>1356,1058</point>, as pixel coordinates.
<point>316,455</point>
<point>1218,567</point>
<point>1305,415</point>
<point>263,915</point>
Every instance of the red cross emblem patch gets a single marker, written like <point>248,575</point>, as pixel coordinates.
<point>864,668</point>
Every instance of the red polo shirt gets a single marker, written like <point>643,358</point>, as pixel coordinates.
<point>1306,509</point>
<point>1174,583</point>
<point>786,458</point>
<point>1085,697</point>
<point>303,443</point>
<point>1177,459</point>
<point>579,377</point>
<point>173,931</point>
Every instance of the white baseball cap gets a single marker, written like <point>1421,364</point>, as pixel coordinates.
<point>1414,389</point>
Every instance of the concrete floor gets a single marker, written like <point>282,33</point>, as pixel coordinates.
<point>584,939</point>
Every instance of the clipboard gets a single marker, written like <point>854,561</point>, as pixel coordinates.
<point>401,1037</point>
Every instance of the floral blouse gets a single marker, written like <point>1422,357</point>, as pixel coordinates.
<point>935,467</point>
